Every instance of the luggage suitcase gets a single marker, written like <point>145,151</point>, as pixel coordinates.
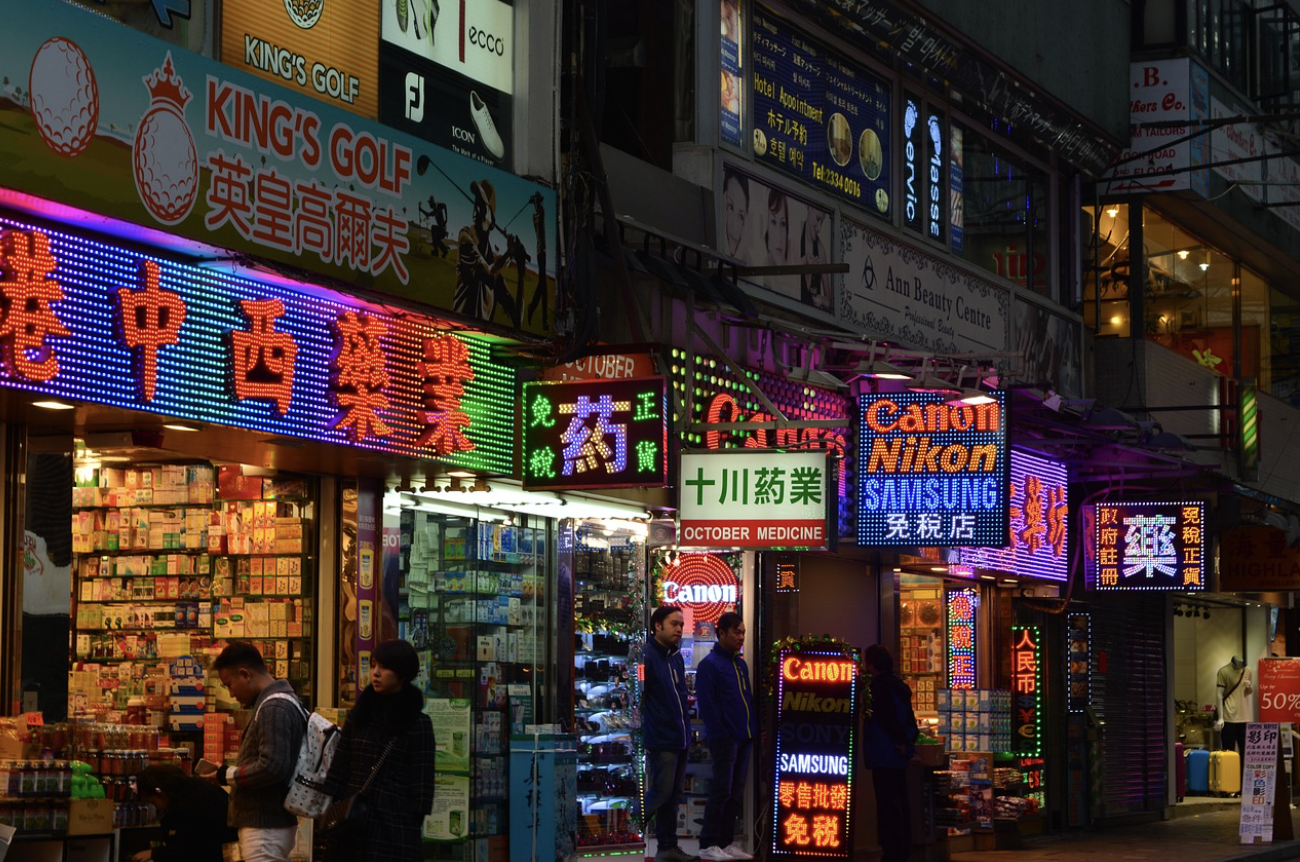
<point>1198,771</point>
<point>1225,773</point>
<point>1180,772</point>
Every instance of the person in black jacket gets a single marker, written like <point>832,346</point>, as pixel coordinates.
<point>727,706</point>
<point>401,794</point>
<point>664,727</point>
<point>192,813</point>
<point>889,744</point>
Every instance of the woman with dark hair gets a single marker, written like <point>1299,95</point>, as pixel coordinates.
<point>191,812</point>
<point>401,793</point>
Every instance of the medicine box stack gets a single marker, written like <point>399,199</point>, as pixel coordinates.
<point>975,719</point>
<point>188,701</point>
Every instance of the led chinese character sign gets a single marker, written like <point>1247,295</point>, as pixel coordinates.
<point>595,434</point>
<point>1148,546</point>
<point>1039,513</point>
<point>961,637</point>
<point>706,583</point>
<point>813,786</point>
<point>751,499</point>
<point>932,472</point>
<point>1026,689</point>
<point>87,321</point>
<point>787,573</point>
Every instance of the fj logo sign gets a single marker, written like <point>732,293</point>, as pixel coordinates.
<point>414,97</point>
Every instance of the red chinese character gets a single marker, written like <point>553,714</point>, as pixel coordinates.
<point>445,370</point>
<point>360,376</point>
<point>839,797</point>
<point>151,318</point>
<point>821,795</point>
<point>227,195</point>
<point>315,230</point>
<point>785,793</point>
<point>1058,516</point>
<point>353,235</point>
<point>961,637</point>
<point>264,358</point>
<point>1031,535</point>
<point>803,795</point>
<point>274,210</point>
<point>826,830</point>
<point>27,290</point>
<point>796,830</point>
<point>390,235</point>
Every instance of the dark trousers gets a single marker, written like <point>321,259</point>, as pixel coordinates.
<point>665,773</point>
<point>727,791</point>
<point>1233,736</point>
<point>893,819</point>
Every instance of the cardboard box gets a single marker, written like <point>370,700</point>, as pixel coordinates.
<point>90,816</point>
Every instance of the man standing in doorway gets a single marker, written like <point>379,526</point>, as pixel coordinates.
<point>268,755</point>
<point>726,704</point>
<point>889,744</point>
<point>664,726</point>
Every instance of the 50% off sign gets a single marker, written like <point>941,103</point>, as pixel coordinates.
<point>1279,689</point>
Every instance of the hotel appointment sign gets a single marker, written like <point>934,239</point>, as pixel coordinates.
<point>756,499</point>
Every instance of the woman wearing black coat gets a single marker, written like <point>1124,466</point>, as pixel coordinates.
<point>401,793</point>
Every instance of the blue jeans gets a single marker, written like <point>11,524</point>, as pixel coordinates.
<point>726,792</point>
<point>665,774</point>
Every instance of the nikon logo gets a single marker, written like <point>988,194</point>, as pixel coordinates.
<point>806,701</point>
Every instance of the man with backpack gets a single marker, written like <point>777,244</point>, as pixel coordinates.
<point>268,755</point>
<point>889,744</point>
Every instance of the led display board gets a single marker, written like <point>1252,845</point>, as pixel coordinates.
<point>961,637</point>
<point>1039,514</point>
<point>1148,546</point>
<point>787,573</point>
<point>815,751</point>
<point>595,434</point>
<point>755,499</point>
<point>717,394</point>
<point>932,472</point>
<point>87,321</point>
<point>820,117</point>
<point>704,583</point>
<point>116,123</point>
<point>1027,689</point>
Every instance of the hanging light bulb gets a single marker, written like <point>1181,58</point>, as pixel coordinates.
<point>1182,254</point>
<point>1112,211</point>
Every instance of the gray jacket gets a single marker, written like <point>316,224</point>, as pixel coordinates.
<point>268,755</point>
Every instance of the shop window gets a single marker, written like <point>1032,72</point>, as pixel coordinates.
<point>922,643</point>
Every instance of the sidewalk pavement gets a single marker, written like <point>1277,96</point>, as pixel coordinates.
<point>1195,837</point>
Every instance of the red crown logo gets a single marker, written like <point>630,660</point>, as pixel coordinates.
<point>165,85</point>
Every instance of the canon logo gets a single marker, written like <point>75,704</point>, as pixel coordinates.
<point>486,41</point>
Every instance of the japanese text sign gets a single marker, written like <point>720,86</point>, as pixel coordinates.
<point>84,320</point>
<point>816,714</point>
<point>1258,782</point>
<point>818,116</point>
<point>755,499</point>
<point>932,472</point>
<point>1026,689</point>
<point>1149,546</point>
<point>1279,690</point>
<point>595,434</point>
<point>130,127</point>
<point>1040,514</point>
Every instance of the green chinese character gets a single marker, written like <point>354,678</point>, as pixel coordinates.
<point>647,456</point>
<point>805,485</point>
<point>541,411</point>
<point>542,463</point>
<point>646,406</point>
<point>700,483</point>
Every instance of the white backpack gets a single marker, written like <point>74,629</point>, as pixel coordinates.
<point>307,797</point>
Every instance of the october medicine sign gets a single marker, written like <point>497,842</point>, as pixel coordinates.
<point>747,498</point>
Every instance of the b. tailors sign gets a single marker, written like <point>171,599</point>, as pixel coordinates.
<point>816,715</point>
<point>755,499</point>
<point>931,472</point>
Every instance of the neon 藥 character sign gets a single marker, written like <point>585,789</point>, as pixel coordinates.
<point>813,787</point>
<point>89,321</point>
<point>961,638</point>
<point>1148,546</point>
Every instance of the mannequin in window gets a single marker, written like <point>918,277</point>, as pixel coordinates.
<point>1235,686</point>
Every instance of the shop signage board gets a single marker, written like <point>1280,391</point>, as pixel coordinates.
<point>1161,91</point>
<point>787,573</point>
<point>820,117</point>
<point>1147,546</point>
<point>95,322</point>
<point>1279,690</point>
<point>1259,782</point>
<point>704,586</point>
<point>961,638</point>
<point>932,472</point>
<point>162,138</point>
<point>815,754</point>
<point>902,293</point>
<point>755,499</point>
<point>1255,558</point>
<point>595,434</point>
<point>1026,688</point>
<point>1040,515</point>
<point>326,50</point>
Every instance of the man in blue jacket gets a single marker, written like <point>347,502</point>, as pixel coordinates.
<point>726,704</point>
<point>889,744</point>
<point>664,727</point>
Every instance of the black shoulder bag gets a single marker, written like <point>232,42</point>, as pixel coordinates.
<point>348,815</point>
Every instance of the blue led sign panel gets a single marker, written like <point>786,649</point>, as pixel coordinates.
<point>87,321</point>
<point>930,472</point>
<point>1039,514</point>
<point>1148,546</point>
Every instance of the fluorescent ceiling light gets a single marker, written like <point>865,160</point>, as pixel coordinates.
<point>182,426</point>
<point>53,405</point>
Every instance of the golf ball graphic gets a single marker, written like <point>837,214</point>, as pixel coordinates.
<point>64,96</point>
<point>304,13</point>
<point>163,155</point>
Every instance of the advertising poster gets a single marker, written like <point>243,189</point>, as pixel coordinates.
<point>106,119</point>
<point>452,720</point>
<point>1258,783</point>
<point>447,74</point>
<point>732,102</point>
<point>1279,690</point>
<point>450,818</point>
<point>819,117</point>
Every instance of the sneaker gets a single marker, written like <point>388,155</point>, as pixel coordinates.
<point>736,852</point>
<point>675,854</point>
<point>714,854</point>
<point>487,130</point>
